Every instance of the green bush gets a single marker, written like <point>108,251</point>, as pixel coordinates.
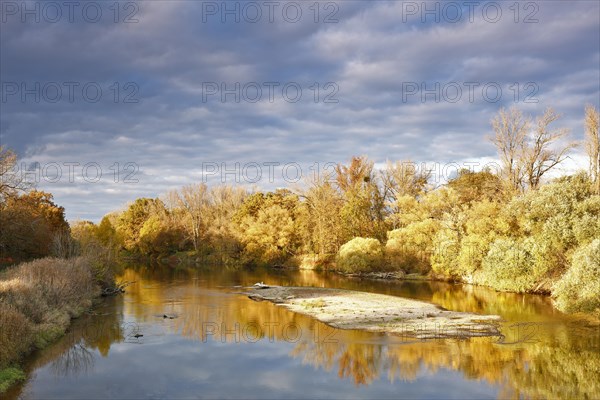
<point>579,287</point>
<point>360,255</point>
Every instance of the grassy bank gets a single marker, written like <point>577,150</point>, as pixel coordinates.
<point>38,299</point>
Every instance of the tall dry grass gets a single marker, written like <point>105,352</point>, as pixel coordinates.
<point>37,301</point>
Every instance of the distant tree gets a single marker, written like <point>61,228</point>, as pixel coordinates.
<point>542,152</point>
<point>476,186</point>
<point>269,226</point>
<point>403,178</point>
<point>133,219</point>
<point>192,200</point>
<point>510,136</point>
<point>592,145</point>
<point>323,203</point>
<point>12,181</point>
<point>363,211</point>
<point>526,154</point>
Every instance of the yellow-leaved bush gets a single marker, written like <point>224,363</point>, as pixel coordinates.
<point>361,255</point>
<point>579,288</point>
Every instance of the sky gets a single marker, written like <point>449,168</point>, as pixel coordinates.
<point>105,102</point>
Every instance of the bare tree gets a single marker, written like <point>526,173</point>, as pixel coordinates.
<point>592,145</point>
<point>528,154</point>
<point>11,180</point>
<point>510,128</point>
<point>543,151</point>
<point>403,178</point>
<point>193,201</point>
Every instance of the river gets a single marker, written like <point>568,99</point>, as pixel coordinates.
<point>186,333</point>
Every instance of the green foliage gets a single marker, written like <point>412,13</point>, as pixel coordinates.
<point>361,255</point>
<point>579,288</point>
<point>10,376</point>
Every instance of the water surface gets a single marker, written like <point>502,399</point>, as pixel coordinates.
<point>218,343</point>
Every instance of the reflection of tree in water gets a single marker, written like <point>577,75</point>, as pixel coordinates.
<point>74,361</point>
<point>73,353</point>
<point>562,361</point>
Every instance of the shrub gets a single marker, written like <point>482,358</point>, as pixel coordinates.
<point>10,376</point>
<point>360,255</point>
<point>410,248</point>
<point>37,301</point>
<point>444,259</point>
<point>15,335</point>
<point>60,282</point>
<point>509,266</point>
<point>579,287</point>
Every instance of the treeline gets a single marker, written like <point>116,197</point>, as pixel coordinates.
<point>49,273</point>
<point>502,228</point>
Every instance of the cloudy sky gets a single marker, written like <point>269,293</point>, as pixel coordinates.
<point>157,94</point>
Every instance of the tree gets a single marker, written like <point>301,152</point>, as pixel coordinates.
<point>11,180</point>
<point>323,204</point>
<point>476,186</point>
<point>510,135</point>
<point>539,156</point>
<point>527,155</point>
<point>30,223</point>
<point>269,226</point>
<point>193,201</point>
<point>133,219</point>
<point>363,212</point>
<point>592,145</point>
<point>361,255</point>
<point>402,178</point>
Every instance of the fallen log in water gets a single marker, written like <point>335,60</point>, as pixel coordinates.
<point>116,289</point>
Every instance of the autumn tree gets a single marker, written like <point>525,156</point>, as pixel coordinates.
<point>269,227</point>
<point>363,212</point>
<point>473,186</point>
<point>323,203</point>
<point>192,200</point>
<point>132,220</point>
<point>30,223</point>
<point>592,145</point>
<point>12,181</point>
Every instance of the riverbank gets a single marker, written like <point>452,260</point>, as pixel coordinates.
<point>38,299</point>
<point>347,309</point>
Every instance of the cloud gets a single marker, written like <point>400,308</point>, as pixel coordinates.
<point>365,65</point>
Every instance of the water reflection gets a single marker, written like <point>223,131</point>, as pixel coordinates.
<point>544,354</point>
